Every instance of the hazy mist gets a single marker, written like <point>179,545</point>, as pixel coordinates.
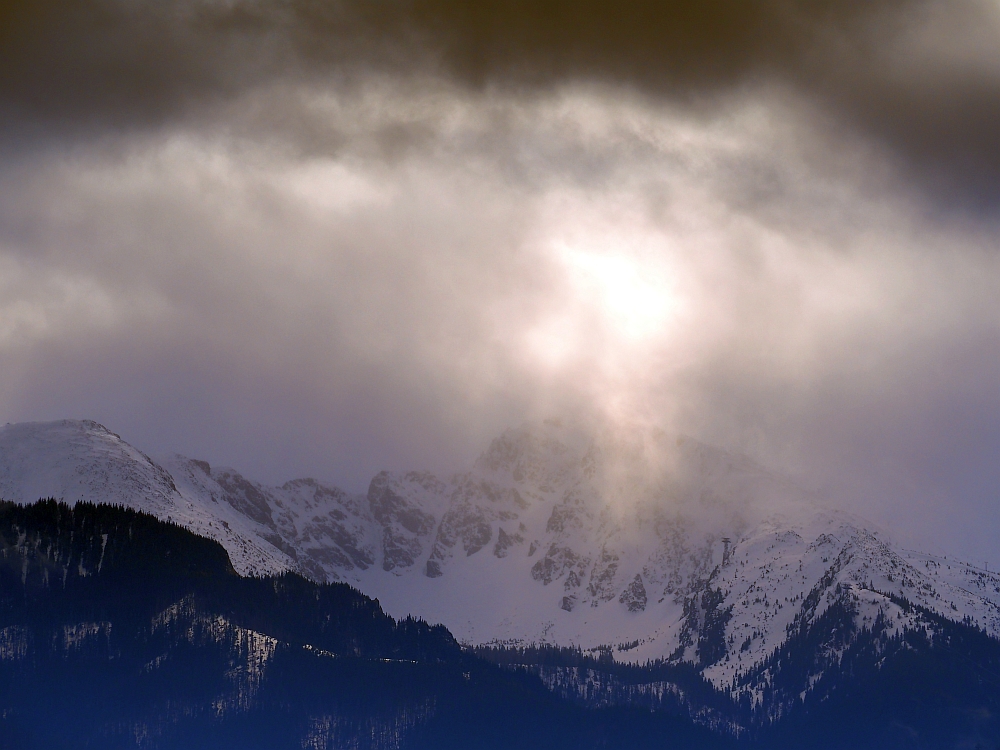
<point>309,238</point>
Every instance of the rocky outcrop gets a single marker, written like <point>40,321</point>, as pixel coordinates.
<point>405,526</point>
<point>245,497</point>
<point>634,595</point>
<point>601,586</point>
<point>507,541</point>
<point>476,507</point>
<point>560,561</point>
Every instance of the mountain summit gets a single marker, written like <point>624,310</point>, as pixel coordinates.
<point>647,548</point>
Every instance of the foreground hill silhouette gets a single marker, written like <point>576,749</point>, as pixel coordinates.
<point>121,631</point>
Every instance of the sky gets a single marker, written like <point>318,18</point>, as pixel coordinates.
<point>330,237</point>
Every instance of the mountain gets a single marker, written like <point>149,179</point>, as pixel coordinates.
<point>634,547</point>
<point>84,461</point>
<point>121,631</point>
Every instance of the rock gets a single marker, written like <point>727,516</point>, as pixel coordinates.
<point>505,541</point>
<point>634,595</point>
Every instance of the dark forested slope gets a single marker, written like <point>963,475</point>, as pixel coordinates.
<point>121,631</point>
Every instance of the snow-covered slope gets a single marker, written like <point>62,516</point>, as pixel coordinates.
<point>84,461</point>
<point>656,546</point>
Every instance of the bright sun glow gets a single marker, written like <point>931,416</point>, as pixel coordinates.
<point>634,299</point>
<point>616,296</point>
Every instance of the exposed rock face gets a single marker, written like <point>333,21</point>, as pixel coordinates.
<point>475,508</point>
<point>603,585</point>
<point>245,497</point>
<point>506,542</point>
<point>405,526</point>
<point>559,561</point>
<point>634,595</point>
<point>466,525</point>
<point>332,531</point>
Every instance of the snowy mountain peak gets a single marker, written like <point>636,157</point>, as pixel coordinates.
<point>655,545</point>
<point>538,455</point>
<point>77,460</point>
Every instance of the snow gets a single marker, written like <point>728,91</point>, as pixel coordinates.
<point>255,650</point>
<point>84,461</point>
<point>583,519</point>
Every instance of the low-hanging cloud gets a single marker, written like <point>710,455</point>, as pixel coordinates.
<point>331,238</point>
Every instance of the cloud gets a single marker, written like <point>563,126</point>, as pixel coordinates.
<point>331,238</point>
<point>919,77</point>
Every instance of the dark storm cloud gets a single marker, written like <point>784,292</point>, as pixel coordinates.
<point>332,238</point>
<point>97,63</point>
<point>77,57</point>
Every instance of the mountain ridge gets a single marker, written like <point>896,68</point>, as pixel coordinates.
<point>658,548</point>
